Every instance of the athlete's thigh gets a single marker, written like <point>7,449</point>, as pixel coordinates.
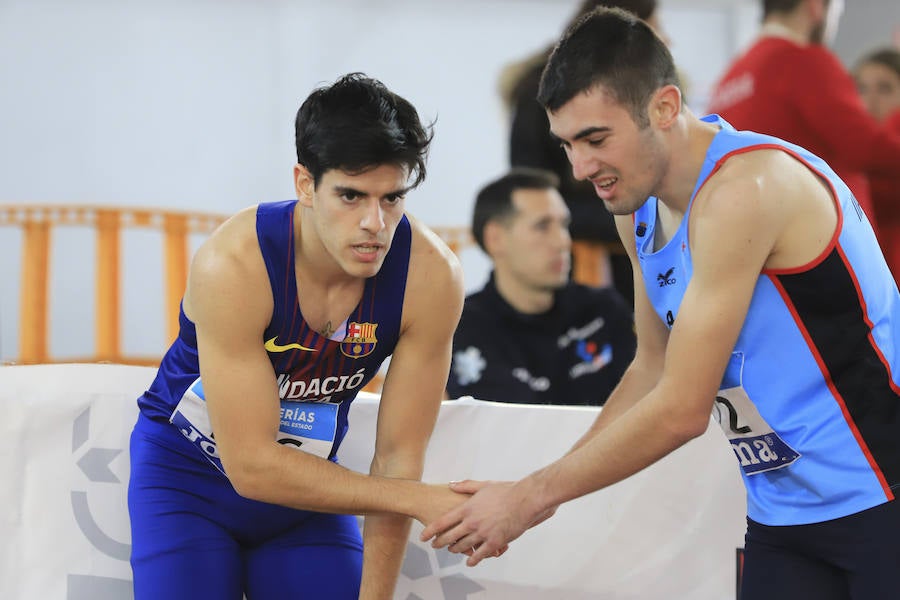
<point>178,551</point>
<point>203,564</point>
<point>773,570</point>
<point>322,558</point>
<point>874,553</point>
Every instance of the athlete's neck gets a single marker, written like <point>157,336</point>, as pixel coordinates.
<point>784,30</point>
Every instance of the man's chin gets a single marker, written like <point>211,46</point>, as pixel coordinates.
<point>560,283</point>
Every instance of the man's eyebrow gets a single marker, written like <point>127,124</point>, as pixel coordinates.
<point>343,189</point>
<point>580,135</point>
<point>590,131</point>
<point>340,190</point>
<point>400,192</point>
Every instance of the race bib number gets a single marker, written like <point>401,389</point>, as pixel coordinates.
<point>757,447</point>
<point>308,426</point>
<point>192,420</point>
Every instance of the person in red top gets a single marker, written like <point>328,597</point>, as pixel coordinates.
<point>878,79</point>
<point>790,85</point>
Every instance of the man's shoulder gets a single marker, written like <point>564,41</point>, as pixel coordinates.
<point>229,264</point>
<point>431,261</point>
<point>234,241</point>
<point>428,249</point>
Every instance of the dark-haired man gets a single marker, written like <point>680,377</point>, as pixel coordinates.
<point>781,318</point>
<point>290,308</point>
<point>531,336</point>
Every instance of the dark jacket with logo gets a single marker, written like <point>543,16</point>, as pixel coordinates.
<point>573,354</point>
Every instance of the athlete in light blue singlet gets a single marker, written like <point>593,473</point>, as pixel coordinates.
<point>816,354</point>
<point>290,309</point>
<point>761,297</point>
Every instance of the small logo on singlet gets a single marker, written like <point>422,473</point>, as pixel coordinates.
<point>855,204</point>
<point>360,340</point>
<point>641,229</point>
<point>271,346</point>
<point>666,278</point>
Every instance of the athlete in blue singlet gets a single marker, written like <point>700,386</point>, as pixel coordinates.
<point>291,307</point>
<point>761,296</point>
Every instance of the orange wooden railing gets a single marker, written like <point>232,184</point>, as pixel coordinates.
<point>37,223</point>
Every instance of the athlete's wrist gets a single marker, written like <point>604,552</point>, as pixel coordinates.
<point>535,494</point>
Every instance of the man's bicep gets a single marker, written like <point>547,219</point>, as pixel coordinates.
<point>240,387</point>
<point>731,242</point>
<point>230,317</point>
<point>417,376</point>
<point>410,399</point>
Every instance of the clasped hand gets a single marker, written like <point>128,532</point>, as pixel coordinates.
<point>482,527</point>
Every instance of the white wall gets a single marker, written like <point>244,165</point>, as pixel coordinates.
<point>189,104</point>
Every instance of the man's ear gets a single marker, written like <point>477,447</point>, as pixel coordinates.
<point>493,237</point>
<point>304,185</point>
<point>665,106</point>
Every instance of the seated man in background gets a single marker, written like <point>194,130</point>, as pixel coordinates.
<point>531,336</point>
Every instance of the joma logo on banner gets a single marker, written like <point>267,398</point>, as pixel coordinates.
<point>436,574</point>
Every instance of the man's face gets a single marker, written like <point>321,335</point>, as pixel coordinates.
<point>533,246</point>
<point>356,216</point>
<point>606,147</point>
<point>879,86</point>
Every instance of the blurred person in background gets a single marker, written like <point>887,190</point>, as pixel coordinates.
<point>878,80</point>
<point>532,336</point>
<point>530,145</point>
<point>790,85</point>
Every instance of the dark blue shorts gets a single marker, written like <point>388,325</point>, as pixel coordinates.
<point>856,557</point>
<point>194,537</point>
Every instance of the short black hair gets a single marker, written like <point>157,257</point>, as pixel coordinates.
<point>357,124</point>
<point>886,57</point>
<point>613,48</point>
<point>779,6</point>
<point>494,201</point>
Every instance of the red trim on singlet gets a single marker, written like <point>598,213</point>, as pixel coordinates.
<point>826,374</point>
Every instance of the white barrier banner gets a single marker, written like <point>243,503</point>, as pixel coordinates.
<point>670,531</point>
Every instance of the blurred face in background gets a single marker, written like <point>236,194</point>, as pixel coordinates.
<point>531,248</point>
<point>879,86</point>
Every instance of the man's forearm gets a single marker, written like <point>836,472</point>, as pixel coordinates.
<point>634,385</point>
<point>292,478</point>
<point>648,432</point>
<point>385,535</point>
<point>384,546</point>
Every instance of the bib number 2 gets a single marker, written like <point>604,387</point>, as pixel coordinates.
<point>756,446</point>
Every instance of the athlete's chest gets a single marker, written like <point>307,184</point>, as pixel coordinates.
<point>326,309</point>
